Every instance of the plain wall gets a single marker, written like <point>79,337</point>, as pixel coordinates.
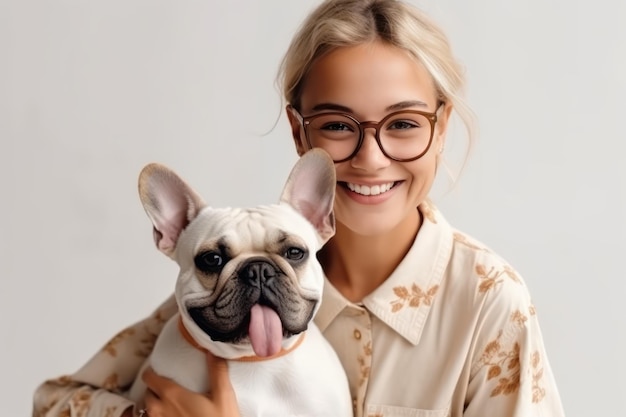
<point>92,91</point>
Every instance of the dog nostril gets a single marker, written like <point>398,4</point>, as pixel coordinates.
<point>267,272</point>
<point>258,272</point>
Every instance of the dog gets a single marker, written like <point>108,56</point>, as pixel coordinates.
<point>248,288</point>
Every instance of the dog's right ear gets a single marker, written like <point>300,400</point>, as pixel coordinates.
<point>310,190</point>
<point>169,202</point>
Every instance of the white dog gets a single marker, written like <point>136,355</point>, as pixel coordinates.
<point>248,288</point>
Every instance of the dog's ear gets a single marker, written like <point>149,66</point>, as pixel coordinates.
<point>310,189</point>
<point>169,202</point>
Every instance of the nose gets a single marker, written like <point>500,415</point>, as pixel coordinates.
<point>370,156</point>
<point>257,273</point>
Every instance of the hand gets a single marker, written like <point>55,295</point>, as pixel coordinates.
<point>165,398</point>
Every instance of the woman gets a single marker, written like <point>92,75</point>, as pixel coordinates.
<point>426,320</point>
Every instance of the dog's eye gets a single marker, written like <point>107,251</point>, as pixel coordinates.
<point>294,254</point>
<point>209,261</point>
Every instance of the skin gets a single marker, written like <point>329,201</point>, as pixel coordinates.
<point>373,233</point>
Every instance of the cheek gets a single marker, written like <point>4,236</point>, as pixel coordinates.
<point>422,177</point>
<point>425,168</point>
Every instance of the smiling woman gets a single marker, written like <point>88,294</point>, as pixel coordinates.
<point>374,83</point>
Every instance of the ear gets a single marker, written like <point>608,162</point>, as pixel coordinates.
<point>310,189</point>
<point>442,126</point>
<point>297,131</point>
<point>169,202</point>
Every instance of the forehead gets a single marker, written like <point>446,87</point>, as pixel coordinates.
<point>367,78</point>
<point>251,228</point>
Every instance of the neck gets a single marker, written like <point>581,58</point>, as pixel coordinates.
<point>251,358</point>
<point>356,264</point>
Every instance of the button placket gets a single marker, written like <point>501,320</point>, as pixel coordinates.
<point>362,335</point>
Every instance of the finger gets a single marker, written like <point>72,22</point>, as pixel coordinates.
<point>152,403</point>
<point>150,399</point>
<point>220,380</point>
<point>156,383</point>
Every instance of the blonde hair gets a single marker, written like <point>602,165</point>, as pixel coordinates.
<point>339,23</point>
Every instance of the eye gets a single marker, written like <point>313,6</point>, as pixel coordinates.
<point>294,253</point>
<point>403,124</point>
<point>209,261</point>
<point>337,126</point>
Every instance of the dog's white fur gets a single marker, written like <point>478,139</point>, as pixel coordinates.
<point>308,380</point>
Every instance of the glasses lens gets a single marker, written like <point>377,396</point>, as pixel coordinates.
<point>405,135</point>
<point>337,134</point>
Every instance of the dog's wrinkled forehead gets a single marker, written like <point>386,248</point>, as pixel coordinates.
<point>246,229</point>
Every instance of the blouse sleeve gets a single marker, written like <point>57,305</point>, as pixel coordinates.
<point>97,389</point>
<point>510,374</point>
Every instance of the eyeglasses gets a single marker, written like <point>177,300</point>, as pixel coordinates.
<point>403,136</point>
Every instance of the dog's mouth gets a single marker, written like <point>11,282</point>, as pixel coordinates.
<point>259,306</point>
<point>262,327</point>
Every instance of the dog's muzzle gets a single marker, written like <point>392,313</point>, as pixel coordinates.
<point>260,281</point>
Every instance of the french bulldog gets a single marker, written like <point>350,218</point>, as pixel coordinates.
<point>248,289</point>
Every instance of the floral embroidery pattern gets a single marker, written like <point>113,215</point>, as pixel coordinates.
<point>147,343</point>
<point>110,411</point>
<point>364,362</point>
<point>504,364</point>
<point>464,240</point>
<point>53,397</point>
<point>519,318</point>
<point>111,346</point>
<point>160,318</point>
<point>63,381</point>
<point>413,298</point>
<point>111,382</point>
<point>150,336</point>
<point>510,272</point>
<point>80,402</point>
<point>44,410</point>
<point>538,391</point>
<point>489,279</point>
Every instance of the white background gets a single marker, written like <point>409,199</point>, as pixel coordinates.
<point>92,91</point>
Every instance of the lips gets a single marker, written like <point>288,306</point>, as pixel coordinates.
<point>370,190</point>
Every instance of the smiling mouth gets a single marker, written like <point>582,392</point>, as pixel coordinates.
<point>367,190</point>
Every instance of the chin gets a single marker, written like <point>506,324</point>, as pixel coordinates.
<point>380,221</point>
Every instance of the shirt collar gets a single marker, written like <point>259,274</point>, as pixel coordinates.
<point>404,300</point>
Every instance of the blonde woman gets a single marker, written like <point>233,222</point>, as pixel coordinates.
<point>426,320</point>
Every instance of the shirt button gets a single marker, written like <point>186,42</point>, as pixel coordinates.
<point>357,334</point>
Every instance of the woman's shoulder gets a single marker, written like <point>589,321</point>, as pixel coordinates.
<point>493,279</point>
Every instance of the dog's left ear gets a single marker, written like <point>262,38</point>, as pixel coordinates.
<point>169,202</point>
<point>310,189</point>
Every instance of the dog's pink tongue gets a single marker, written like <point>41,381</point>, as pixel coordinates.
<point>266,331</point>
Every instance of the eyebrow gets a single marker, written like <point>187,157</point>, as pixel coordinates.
<point>397,106</point>
<point>406,104</point>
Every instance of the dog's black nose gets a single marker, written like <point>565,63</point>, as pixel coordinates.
<point>257,273</point>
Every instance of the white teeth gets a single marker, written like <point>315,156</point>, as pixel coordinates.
<point>366,190</point>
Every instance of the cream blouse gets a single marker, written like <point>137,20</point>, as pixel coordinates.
<point>452,332</point>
